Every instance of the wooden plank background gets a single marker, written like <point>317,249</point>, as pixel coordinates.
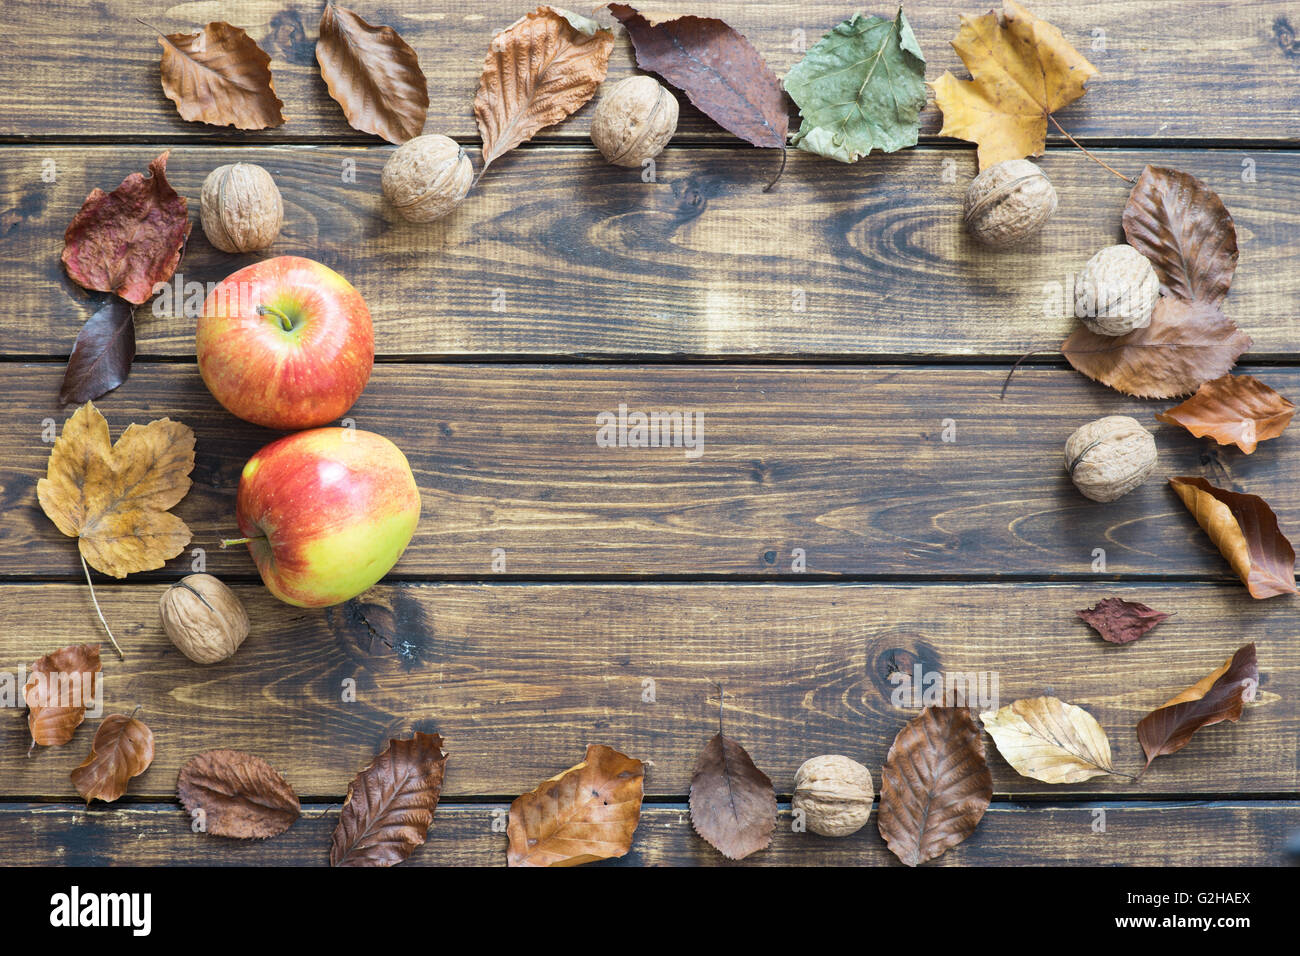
<point>833,332</point>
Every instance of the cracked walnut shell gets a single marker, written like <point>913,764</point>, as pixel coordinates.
<point>634,121</point>
<point>834,793</point>
<point>427,177</point>
<point>1117,291</point>
<point>204,618</point>
<point>1008,202</point>
<point>1110,457</point>
<point>241,208</point>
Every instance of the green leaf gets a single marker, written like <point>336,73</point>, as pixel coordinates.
<point>862,87</point>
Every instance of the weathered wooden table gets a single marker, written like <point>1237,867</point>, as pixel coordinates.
<point>845,342</point>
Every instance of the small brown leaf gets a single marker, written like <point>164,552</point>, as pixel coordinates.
<point>390,804</point>
<point>130,239</point>
<point>1233,410</point>
<point>1186,344</point>
<point>220,76</point>
<point>123,749</point>
<point>935,785</point>
<point>589,812</point>
<point>373,74</point>
<point>102,355</point>
<point>733,803</point>
<point>1244,529</point>
<point>1216,697</point>
<point>61,686</point>
<point>1120,621</point>
<point>235,794</point>
<point>1182,226</point>
<point>538,71</point>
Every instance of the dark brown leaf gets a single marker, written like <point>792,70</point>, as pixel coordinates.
<point>716,67</point>
<point>1244,528</point>
<point>61,686</point>
<point>1182,226</point>
<point>935,784</point>
<point>1120,621</point>
<point>373,74</point>
<point>102,356</point>
<point>1233,410</point>
<point>733,804</point>
<point>234,794</point>
<point>123,749</point>
<point>1186,344</point>
<point>390,804</point>
<point>130,239</point>
<point>220,76</point>
<point>1216,697</point>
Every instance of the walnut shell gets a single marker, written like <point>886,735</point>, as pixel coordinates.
<point>427,177</point>
<point>1117,291</point>
<point>1008,202</point>
<point>204,618</point>
<point>634,121</point>
<point>834,793</point>
<point>241,208</point>
<point>1110,457</point>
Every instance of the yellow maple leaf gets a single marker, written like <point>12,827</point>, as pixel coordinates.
<point>1022,69</point>
<point>115,499</point>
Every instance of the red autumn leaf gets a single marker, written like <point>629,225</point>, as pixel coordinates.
<point>102,355</point>
<point>62,684</point>
<point>220,76</point>
<point>1216,697</point>
<point>123,748</point>
<point>1233,410</point>
<point>1244,528</point>
<point>236,794</point>
<point>130,239</point>
<point>1120,621</point>
<point>733,803</point>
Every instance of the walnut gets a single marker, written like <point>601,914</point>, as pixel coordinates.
<point>1009,202</point>
<point>241,208</point>
<point>427,177</point>
<point>203,618</point>
<point>634,121</point>
<point>834,793</point>
<point>1110,457</point>
<point>1117,291</point>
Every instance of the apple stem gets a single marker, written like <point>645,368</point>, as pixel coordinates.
<point>231,542</point>
<point>285,323</point>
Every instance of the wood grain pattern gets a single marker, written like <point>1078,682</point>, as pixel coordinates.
<point>520,678</point>
<point>559,253</point>
<point>1210,69</point>
<point>848,464</point>
<point>1137,834</point>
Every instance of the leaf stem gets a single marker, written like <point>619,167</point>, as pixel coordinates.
<point>1099,162</point>
<point>785,152</point>
<point>107,629</point>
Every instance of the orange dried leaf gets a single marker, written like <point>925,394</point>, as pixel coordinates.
<point>220,76</point>
<point>123,748</point>
<point>1216,697</point>
<point>237,795</point>
<point>61,686</point>
<point>390,804</point>
<point>1233,410</point>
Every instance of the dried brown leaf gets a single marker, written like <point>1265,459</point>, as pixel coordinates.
<point>733,803</point>
<point>123,748</point>
<point>390,804</point>
<point>589,812</point>
<point>62,684</point>
<point>1049,740</point>
<point>1120,621</point>
<point>1182,226</point>
<point>1216,697</point>
<point>235,794</point>
<point>1244,529</point>
<point>1186,344</point>
<point>373,74</point>
<point>935,784</point>
<point>1233,410</point>
<point>102,355</point>
<point>220,76</point>
<point>538,71</point>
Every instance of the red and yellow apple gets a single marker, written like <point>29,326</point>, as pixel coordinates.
<point>326,513</point>
<point>286,343</point>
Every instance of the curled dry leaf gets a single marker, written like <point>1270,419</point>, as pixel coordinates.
<point>390,804</point>
<point>935,785</point>
<point>235,794</point>
<point>1183,228</point>
<point>587,813</point>
<point>1120,621</point>
<point>717,68</point>
<point>1186,344</point>
<point>1050,740</point>
<point>1023,69</point>
<point>123,749</point>
<point>103,353</point>
<point>1233,410</point>
<point>373,74</point>
<point>1244,529</point>
<point>128,240</point>
<point>115,500</point>
<point>58,690</point>
<point>733,803</point>
<point>539,70</point>
<point>1216,697</point>
<point>220,76</point>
